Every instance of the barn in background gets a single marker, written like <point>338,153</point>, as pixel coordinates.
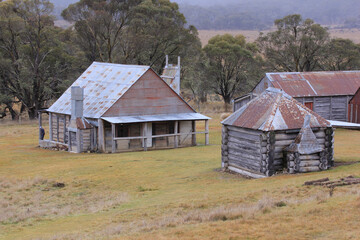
<point>326,93</point>
<point>116,108</point>
<point>256,139</point>
<point>354,108</point>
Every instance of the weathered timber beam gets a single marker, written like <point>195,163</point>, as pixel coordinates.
<point>244,136</point>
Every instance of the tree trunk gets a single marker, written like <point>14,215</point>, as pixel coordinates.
<point>14,114</point>
<point>32,112</point>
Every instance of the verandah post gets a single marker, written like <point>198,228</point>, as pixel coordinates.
<point>206,132</point>
<point>176,131</point>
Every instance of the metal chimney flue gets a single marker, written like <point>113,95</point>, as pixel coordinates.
<point>77,102</point>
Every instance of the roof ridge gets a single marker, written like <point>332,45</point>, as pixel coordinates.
<point>120,64</point>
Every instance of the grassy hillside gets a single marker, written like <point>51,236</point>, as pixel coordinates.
<point>252,35</point>
<point>168,194</point>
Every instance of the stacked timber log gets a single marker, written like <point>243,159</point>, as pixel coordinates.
<point>306,153</point>
<point>243,148</point>
<point>224,147</point>
<point>267,135</point>
<point>350,180</point>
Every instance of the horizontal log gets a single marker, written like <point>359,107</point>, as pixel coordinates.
<point>245,130</point>
<point>244,165</point>
<point>245,159</point>
<point>244,136</point>
<point>243,141</point>
<point>244,155</point>
<point>305,164</point>
<point>309,157</point>
<point>251,149</point>
<point>309,169</point>
<point>242,171</point>
<point>292,136</point>
<point>316,181</point>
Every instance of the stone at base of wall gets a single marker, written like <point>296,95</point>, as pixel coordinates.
<point>47,144</point>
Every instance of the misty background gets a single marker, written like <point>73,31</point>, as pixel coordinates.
<point>258,14</point>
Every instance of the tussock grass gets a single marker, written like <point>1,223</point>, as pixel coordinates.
<point>39,198</point>
<point>168,194</point>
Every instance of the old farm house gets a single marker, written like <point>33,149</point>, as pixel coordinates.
<point>326,93</point>
<point>115,108</point>
<point>273,132</point>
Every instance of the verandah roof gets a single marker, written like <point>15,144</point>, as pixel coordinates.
<point>156,118</point>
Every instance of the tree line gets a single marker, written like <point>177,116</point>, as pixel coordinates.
<point>38,60</point>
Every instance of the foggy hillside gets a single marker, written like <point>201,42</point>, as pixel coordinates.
<point>257,14</point>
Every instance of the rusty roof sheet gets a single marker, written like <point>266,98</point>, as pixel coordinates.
<point>104,84</point>
<point>274,110</point>
<point>308,84</point>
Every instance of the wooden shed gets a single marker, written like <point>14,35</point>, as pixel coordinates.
<point>255,137</point>
<point>326,93</point>
<point>116,108</point>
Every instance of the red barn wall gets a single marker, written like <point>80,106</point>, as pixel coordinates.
<point>354,108</point>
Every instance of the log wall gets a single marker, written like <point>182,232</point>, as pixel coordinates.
<point>242,148</point>
<point>263,152</point>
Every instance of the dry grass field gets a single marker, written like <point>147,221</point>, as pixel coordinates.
<point>251,35</point>
<point>166,194</point>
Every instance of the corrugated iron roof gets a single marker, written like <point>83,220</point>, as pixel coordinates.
<point>274,110</point>
<point>156,118</point>
<point>308,84</point>
<point>104,84</point>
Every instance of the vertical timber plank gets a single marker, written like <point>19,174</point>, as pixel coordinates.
<point>145,136</point>
<point>176,131</point>
<point>113,142</point>
<point>57,128</point>
<point>40,124</point>
<point>206,132</point>
<point>50,127</point>
<point>101,137</point>
<point>193,139</point>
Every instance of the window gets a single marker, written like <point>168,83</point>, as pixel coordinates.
<point>122,130</point>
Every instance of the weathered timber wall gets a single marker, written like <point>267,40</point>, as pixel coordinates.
<point>150,95</point>
<point>241,148</point>
<point>60,125</point>
<point>325,136</point>
<point>86,140</point>
<point>331,108</point>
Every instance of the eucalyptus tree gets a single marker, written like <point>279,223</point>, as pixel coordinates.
<point>34,63</point>
<point>231,61</point>
<point>295,46</point>
<point>340,54</point>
